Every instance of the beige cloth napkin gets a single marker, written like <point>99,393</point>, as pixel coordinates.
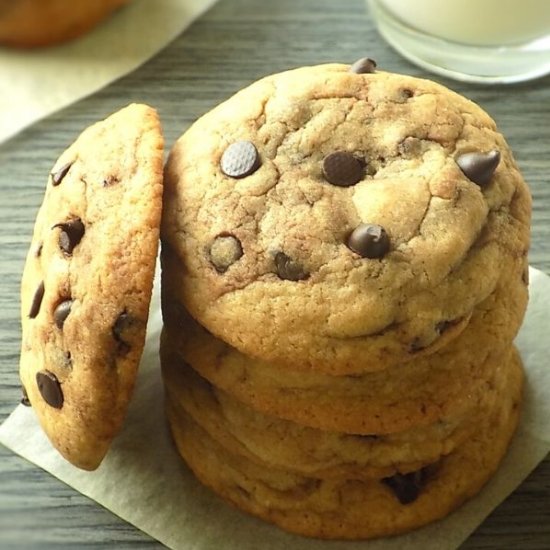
<point>143,481</point>
<point>35,84</point>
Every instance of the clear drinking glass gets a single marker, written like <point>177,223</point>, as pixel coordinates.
<point>490,41</point>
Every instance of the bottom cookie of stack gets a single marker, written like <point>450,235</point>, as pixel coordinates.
<point>348,507</point>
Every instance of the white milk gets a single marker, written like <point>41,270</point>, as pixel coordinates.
<point>476,22</point>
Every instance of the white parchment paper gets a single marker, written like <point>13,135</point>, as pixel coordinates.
<point>34,84</point>
<point>143,480</point>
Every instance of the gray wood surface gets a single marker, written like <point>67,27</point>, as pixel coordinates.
<point>235,43</point>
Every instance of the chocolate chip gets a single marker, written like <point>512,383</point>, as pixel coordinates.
<point>342,169</point>
<point>50,388</point>
<point>57,177</point>
<point>123,322</point>
<point>369,240</point>
<point>363,66</point>
<point>110,180</point>
<point>224,251</point>
<point>24,397</point>
<point>406,487</point>
<point>120,330</point>
<point>38,251</point>
<point>240,159</point>
<point>37,301</point>
<point>70,235</point>
<point>61,313</point>
<point>288,269</point>
<point>479,167</point>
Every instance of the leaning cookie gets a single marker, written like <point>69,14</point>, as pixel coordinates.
<point>322,215</point>
<point>32,23</point>
<point>87,282</point>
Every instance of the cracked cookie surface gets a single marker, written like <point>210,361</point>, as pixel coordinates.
<point>320,215</point>
<point>87,282</point>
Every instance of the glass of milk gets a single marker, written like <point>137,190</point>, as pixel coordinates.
<point>491,41</point>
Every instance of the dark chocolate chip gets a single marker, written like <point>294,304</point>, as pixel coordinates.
<point>342,169</point>
<point>24,397</point>
<point>37,301</point>
<point>71,234</point>
<point>224,251</point>
<point>369,240</point>
<point>61,313</point>
<point>479,167</point>
<point>406,93</point>
<point>363,66</point>
<point>240,159</point>
<point>288,269</point>
<point>110,180</point>
<point>121,327</point>
<point>123,323</point>
<point>50,388</point>
<point>38,251</point>
<point>57,177</point>
<point>406,487</point>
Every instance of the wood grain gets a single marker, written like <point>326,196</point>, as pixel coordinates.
<point>235,43</point>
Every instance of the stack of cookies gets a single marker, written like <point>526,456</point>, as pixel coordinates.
<point>343,274</point>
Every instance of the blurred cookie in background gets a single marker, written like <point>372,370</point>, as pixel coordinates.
<point>35,23</point>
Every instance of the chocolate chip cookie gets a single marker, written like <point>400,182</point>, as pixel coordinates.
<point>279,443</point>
<point>351,508</point>
<point>419,392</point>
<point>87,282</point>
<point>33,23</point>
<point>333,213</point>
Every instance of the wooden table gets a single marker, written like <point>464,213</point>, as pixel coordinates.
<point>232,45</point>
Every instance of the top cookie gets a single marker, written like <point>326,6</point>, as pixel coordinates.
<point>325,217</point>
<point>87,282</point>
